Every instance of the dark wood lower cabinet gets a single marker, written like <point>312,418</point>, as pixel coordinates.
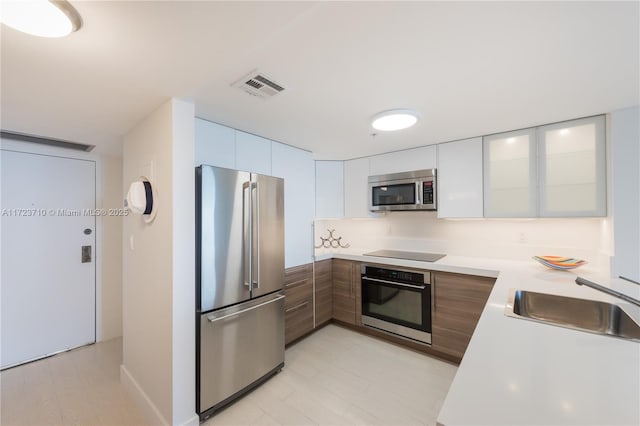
<point>458,302</point>
<point>346,286</point>
<point>323,292</point>
<point>298,302</point>
<point>457,305</point>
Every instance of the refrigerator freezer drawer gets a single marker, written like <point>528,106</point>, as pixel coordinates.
<point>239,347</point>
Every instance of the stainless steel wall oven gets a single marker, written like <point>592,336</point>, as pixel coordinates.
<point>397,301</point>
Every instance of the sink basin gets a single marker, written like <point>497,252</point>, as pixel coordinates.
<point>579,314</point>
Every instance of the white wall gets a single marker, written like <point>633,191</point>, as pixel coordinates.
<point>516,239</point>
<point>625,138</point>
<point>184,278</point>
<point>158,268</point>
<point>111,248</point>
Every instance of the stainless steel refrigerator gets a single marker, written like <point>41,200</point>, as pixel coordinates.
<point>239,277</point>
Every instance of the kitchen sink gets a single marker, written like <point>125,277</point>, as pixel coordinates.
<point>579,314</point>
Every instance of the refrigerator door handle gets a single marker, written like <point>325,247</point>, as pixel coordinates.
<point>255,257</point>
<point>233,314</point>
<point>247,231</point>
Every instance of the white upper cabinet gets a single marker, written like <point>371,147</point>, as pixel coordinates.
<point>356,188</point>
<point>329,189</point>
<point>296,167</point>
<point>460,179</point>
<point>572,168</point>
<point>510,174</point>
<point>215,145</point>
<point>625,137</point>
<point>424,157</point>
<point>253,153</point>
<point>222,146</point>
<point>556,170</point>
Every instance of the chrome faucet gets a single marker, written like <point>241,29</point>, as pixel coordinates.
<point>582,281</point>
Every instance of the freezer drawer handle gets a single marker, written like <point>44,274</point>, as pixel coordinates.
<point>214,319</point>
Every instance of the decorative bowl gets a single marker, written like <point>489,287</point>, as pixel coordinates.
<point>559,263</point>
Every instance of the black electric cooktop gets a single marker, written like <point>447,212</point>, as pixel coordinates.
<point>408,255</point>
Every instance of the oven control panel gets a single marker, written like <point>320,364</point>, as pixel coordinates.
<point>395,275</point>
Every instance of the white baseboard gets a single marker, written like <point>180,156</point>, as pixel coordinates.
<point>193,421</point>
<point>150,411</point>
<point>148,408</point>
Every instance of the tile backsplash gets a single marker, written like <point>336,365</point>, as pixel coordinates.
<point>514,239</point>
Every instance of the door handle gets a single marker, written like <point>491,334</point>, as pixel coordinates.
<point>247,238</point>
<point>395,283</point>
<point>352,290</point>
<point>86,254</point>
<point>255,265</point>
<point>433,294</point>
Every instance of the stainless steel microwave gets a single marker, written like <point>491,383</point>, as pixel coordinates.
<point>415,190</point>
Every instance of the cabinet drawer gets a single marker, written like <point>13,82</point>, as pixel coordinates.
<point>298,320</point>
<point>297,292</point>
<point>298,284</point>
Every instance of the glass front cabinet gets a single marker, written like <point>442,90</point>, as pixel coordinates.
<point>556,170</point>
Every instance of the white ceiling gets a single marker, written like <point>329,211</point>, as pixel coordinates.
<point>469,68</point>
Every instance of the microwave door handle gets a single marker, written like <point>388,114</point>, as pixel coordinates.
<point>418,193</point>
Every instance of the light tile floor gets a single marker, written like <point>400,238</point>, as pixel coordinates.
<point>79,387</point>
<point>333,377</point>
<point>340,377</point>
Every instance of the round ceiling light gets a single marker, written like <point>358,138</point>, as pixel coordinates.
<point>43,18</point>
<point>395,119</point>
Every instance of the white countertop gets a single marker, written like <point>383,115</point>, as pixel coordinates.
<point>519,372</point>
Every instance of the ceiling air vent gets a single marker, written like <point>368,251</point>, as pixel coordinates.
<point>23,137</point>
<point>257,84</point>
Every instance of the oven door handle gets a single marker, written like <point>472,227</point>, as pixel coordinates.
<point>417,287</point>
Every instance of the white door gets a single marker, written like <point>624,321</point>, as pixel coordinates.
<point>48,279</point>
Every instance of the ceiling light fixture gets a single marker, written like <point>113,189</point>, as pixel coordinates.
<point>43,18</point>
<point>395,119</point>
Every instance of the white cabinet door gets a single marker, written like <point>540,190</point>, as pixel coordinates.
<point>625,134</point>
<point>572,168</point>
<point>460,178</point>
<point>510,174</point>
<point>356,190</point>
<point>408,160</point>
<point>215,145</point>
<point>329,189</point>
<point>556,170</point>
<point>296,167</point>
<point>253,153</point>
